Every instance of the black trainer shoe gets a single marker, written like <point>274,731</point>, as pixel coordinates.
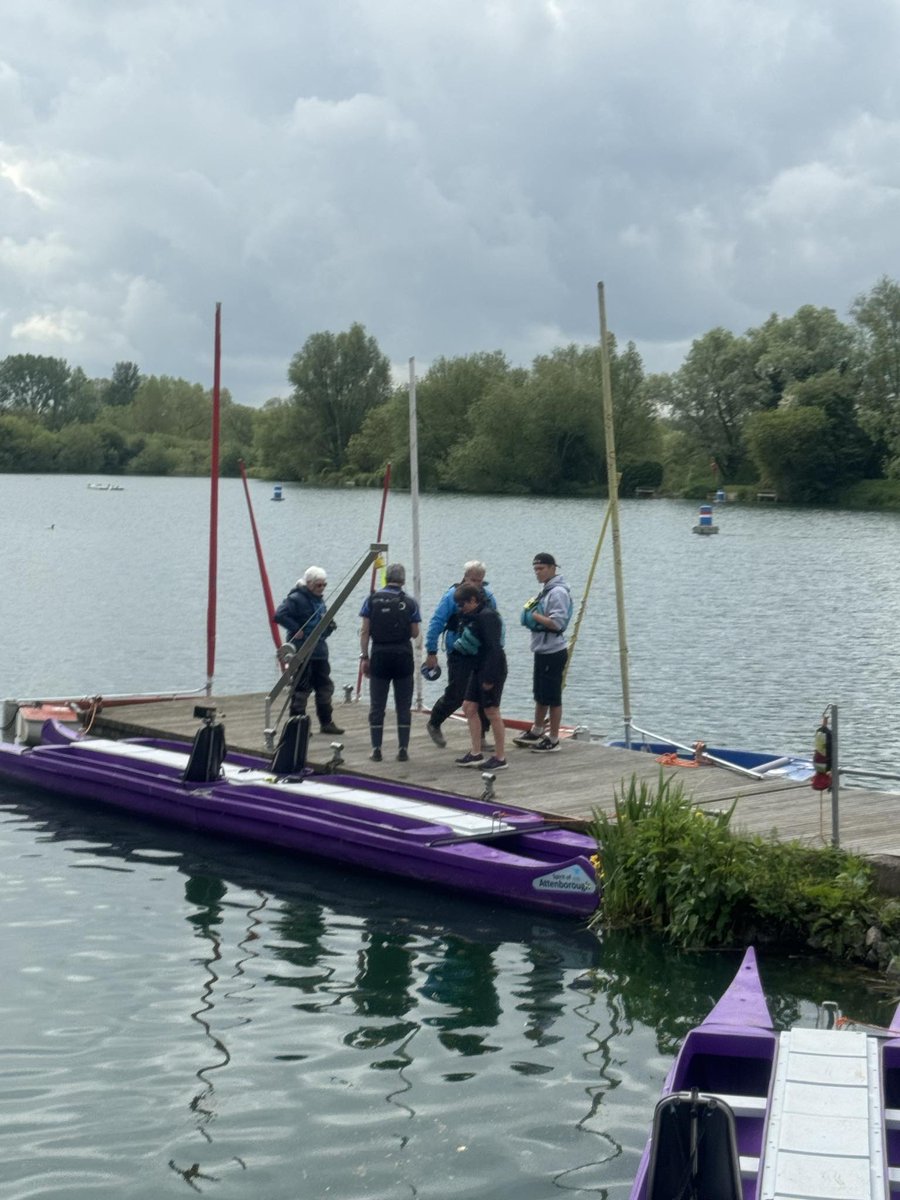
<point>403,754</point>
<point>470,760</point>
<point>375,756</point>
<point>434,732</point>
<point>527,738</point>
<point>330,728</point>
<point>495,764</point>
<point>545,746</point>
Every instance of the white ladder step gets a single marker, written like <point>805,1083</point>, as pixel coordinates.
<point>824,1136</point>
<point>742,1106</point>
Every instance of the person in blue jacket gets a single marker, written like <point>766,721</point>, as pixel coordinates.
<point>447,620</point>
<point>299,614</point>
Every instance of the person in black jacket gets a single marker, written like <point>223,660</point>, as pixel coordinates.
<point>390,621</point>
<point>483,631</point>
<point>299,614</point>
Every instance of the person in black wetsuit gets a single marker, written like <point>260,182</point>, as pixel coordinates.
<point>483,630</point>
<point>391,620</point>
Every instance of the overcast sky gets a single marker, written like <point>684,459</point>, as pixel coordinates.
<point>457,175</point>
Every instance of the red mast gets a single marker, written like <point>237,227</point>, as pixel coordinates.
<point>263,573</point>
<point>214,509</point>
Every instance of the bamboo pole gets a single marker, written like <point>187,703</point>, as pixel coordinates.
<point>587,588</point>
<point>612,476</point>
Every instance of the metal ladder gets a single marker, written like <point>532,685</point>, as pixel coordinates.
<point>825,1138</point>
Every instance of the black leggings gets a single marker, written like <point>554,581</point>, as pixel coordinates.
<point>391,665</point>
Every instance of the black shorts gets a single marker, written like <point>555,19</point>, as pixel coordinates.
<point>548,674</point>
<point>485,697</point>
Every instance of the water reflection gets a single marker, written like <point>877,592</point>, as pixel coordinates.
<point>330,1031</point>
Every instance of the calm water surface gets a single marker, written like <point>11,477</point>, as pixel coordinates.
<point>738,639</point>
<point>182,1017</point>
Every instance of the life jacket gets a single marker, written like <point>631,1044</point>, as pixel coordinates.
<point>536,604</point>
<point>821,779</point>
<point>389,617</point>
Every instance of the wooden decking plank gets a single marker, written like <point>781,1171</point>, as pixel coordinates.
<point>581,777</point>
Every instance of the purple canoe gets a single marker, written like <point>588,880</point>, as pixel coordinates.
<point>750,1114</point>
<point>483,848</point>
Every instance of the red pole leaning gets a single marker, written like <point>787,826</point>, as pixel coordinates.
<point>384,496</point>
<point>214,509</point>
<point>263,574</point>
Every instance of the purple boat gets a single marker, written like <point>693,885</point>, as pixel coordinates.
<point>481,847</point>
<point>750,1114</point>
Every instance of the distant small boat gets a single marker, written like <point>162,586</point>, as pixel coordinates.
<point>99,487</point>
<point>750,1114</point>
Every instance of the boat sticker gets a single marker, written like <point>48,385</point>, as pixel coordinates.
<point>568,879</point>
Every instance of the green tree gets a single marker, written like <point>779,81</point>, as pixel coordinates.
<point>713,393</point>
<point>877,317</point>
<point>278,447</point>
<point>122,387</point>
<point>80,450</point>
<point>36,384</point>
<point>336,380</point>
<point>25,445</point>
<point>789,350</point>
<point>790,448</point>
<point>84,400</point>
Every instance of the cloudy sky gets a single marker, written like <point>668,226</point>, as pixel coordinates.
<point>457,175</point>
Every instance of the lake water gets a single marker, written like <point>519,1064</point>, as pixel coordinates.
<point>737,639</point>
<point>184,1017</point>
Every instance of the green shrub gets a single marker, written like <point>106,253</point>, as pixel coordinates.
<point>684,873</point>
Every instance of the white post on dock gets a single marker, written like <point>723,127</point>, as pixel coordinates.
<point>612,479</point>
<point>835,780</point>
<point>414,505</point>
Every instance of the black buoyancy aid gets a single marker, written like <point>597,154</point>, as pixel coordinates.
<point>389,617</point>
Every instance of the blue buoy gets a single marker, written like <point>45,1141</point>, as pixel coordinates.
<point>277,495</point>
<point>705,524</point>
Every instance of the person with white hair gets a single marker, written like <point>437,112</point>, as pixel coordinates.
<point>299,614</point>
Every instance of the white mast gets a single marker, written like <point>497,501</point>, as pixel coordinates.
<point>414,504</point>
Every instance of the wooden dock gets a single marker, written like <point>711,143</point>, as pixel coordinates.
<point>582,777</point>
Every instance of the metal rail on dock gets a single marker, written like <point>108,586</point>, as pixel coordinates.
<point>719,762</point>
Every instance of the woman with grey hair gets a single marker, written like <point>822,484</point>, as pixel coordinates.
<point>390,620</point>
<point>299,614</point>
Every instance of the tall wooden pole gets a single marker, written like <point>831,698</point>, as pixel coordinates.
<point>612,478</point>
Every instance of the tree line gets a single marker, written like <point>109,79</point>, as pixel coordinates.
<point>808,405</point>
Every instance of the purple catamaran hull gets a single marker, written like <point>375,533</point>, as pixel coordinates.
<point>750,1114</point>
<point>482,848</point>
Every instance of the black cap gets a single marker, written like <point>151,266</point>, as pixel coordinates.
<point>543,560</point>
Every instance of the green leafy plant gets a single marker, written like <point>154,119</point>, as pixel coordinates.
<point>682,871</point>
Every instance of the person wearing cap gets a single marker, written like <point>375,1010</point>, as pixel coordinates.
<point>390,621</point>
<point>447,621</point>
<point>547,616</point>
<point>299,614</point>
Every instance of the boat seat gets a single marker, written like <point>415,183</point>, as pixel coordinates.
<point>749,1166</point>
<point>741,1106</point>
<point>892,1118</point>
<point>693,1150</point>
